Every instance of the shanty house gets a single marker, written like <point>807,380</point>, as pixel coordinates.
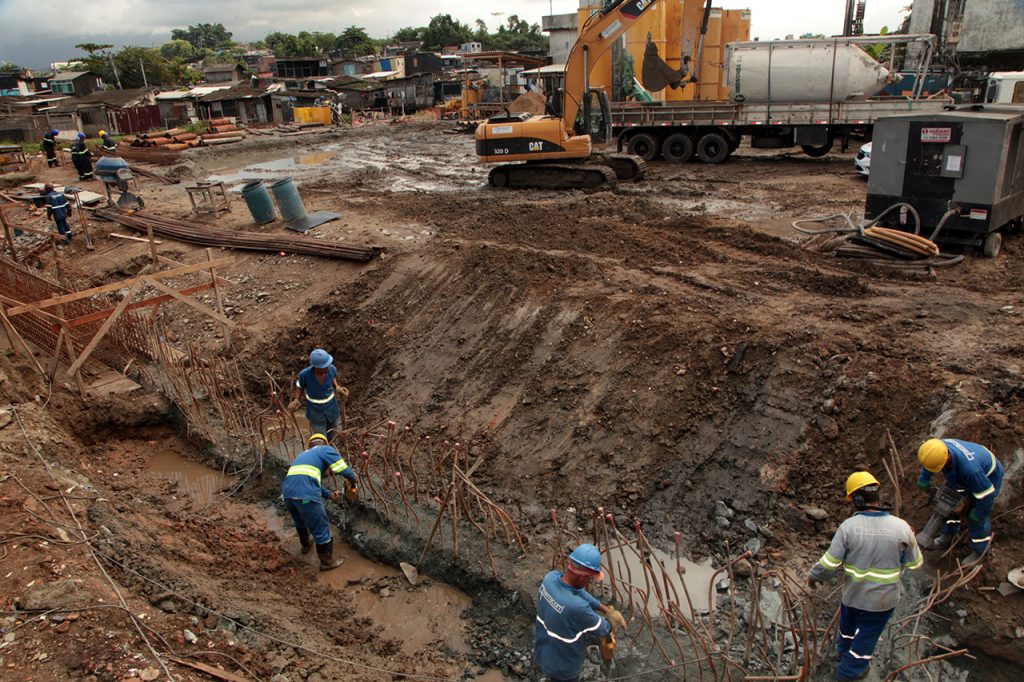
<point>28,117</point>
<point>247,104</point>
<point>118,111</point>
<point>347,67</point>
<point>224,73</point>
<point>300,67</point>
<point>76,83</point>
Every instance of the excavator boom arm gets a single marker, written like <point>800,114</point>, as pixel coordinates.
<point>596,38</point>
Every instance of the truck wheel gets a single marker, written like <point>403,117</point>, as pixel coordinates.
<point>677,148</point>
<point>643,145</point>
<point>991,246</point>
<point>817,152</point>
<point>713,148</point>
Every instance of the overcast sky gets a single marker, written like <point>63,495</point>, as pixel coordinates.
<point>36,34</point>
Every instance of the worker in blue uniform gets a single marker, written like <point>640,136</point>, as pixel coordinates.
<point>107,142</point>
<point>49,147</point>
<point>967,468</point>
<point>82,158</point>
<point>59,210</point>
<point>318,383</point>
<point>304,496</point>
<point>568,616</point>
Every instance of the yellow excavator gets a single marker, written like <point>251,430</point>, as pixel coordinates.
<point>556,150</point>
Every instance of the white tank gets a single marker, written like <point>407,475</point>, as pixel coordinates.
<point>801,71</point>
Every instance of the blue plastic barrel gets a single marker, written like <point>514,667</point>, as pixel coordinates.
<point>288,200</point>
<point>257,198</point>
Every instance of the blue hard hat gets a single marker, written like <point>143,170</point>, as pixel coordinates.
<point>588,558</point>
<point>55,132</point>
<point>320,358</point>
<point>81,136</point>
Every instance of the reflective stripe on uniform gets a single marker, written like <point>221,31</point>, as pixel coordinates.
<point>829,561</point>
<point>858,656</point>
<point>563,639</point>
<point>915,564</point>
<point>320,402</point>
<point>979,541</point>
<point>985,493</point>
<point>64,205</point>
<point>846,636</point>
<point>339,466</point>
<point>304,470</point>
<point>876,575</point>
<point>992,468</point>
<point>109,149</point>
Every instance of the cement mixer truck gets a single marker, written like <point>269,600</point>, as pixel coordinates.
<point>782,94</point>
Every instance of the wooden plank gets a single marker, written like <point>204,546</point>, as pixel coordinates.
<point>208,669</point>
<point>188,301</point>
<point>52,319</point>
<point>12,332</point>
<point>8,236</point>
<point>87,293</point>
<point>134,239</point>
<point>144,303</point>
<point>52,371</point>
<point>95,341</point>
<point>216,293</point>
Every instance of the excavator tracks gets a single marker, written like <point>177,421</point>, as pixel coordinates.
<point>552,176</point>
<point>626,166</point>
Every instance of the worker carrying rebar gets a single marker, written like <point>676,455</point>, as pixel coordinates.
<point>872,547</point>
<point>568,616</point>
<point>108,143</point>
<point>304,496</point>
<point>58,210</point>
<point>82,158</point>
<point>319,384</point>
<point>966,467</point>
<point>49,146</point>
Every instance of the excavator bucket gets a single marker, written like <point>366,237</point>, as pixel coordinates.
<point>656,75</point>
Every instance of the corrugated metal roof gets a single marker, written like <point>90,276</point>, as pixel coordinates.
<point>71,75</point>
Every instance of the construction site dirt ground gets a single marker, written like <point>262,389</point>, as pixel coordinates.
<point>668,351</point>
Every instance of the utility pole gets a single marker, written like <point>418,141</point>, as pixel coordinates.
<point>145,83</point>
<point>110,57</point>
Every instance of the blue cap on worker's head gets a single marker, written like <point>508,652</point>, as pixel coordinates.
<point>81,136</point>
<point>55,132</point>
<point>320,358</point>
<point>586,560</point>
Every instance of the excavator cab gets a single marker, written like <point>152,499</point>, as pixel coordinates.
<point>595,117</point>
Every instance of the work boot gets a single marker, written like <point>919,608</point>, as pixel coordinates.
<point>304,540</point>
<point>326,554</point>
<point>943,541</point>
<point>970,560</point>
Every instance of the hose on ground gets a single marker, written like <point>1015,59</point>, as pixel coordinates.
<point>851,227</point>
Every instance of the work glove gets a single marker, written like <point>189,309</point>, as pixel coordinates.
<point>924,485</point>
<point>616,619</point>
<point>293,405</point>
<point>351,492</point>
<point>343,391</point>
<point>335,496</point>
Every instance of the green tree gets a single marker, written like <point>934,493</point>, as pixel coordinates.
<point>178,50</point>
<point>443,30</point>
<point>288,45</point>
<point>408,34</point>
<point>517,34</point>
<point>480,32</point>
<point>93,48</point>
<point>204,35</point>
<point>131,61</point>
<point>354,42</point>
<point>11,66</point>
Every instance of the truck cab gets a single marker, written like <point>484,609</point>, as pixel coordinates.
<point>1005,87</point>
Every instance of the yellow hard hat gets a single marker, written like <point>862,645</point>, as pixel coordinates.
<point>858,480</point>
<point>933,455</point>
<point>317,436</point>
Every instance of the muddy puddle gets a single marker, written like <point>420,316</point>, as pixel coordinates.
<point>442,163</point>
<point>196,481</point>
<point>420,616</point>
<point>695,579</point>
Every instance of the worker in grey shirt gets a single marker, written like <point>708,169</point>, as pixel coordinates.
<point>872,547</point>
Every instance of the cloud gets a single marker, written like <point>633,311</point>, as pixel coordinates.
<point>36,40</point>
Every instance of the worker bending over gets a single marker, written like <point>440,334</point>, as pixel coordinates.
<point>568,615</point>
<point>108,143</point>
<point>304,496</point>
<point>59,210</point>
<point>873,547</point>
<point>319,384</point>
<point>966,467</point>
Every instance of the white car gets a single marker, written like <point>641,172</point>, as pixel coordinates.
<point>863,161</point>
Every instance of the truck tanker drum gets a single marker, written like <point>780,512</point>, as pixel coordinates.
<point>801,71</point>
